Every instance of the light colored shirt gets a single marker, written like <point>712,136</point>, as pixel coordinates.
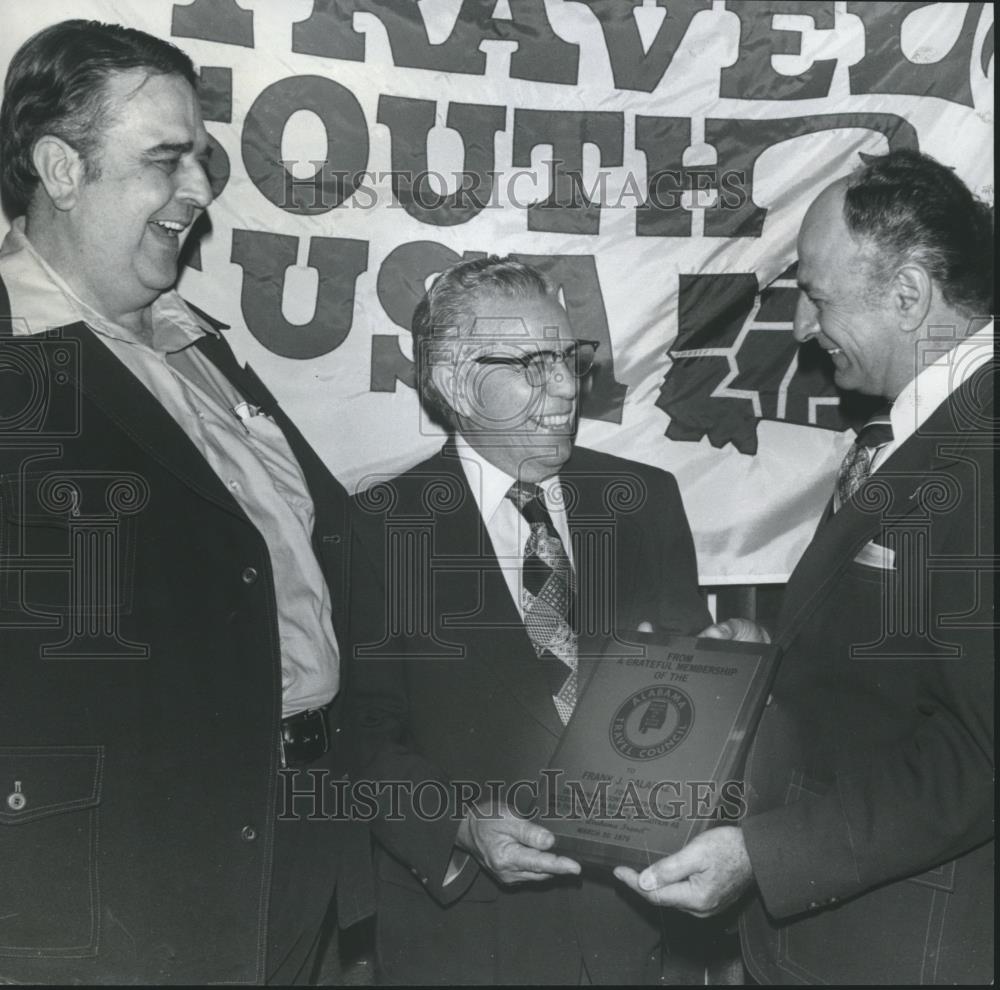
<point>507,528</point>
<point>246,449</point>
<point>921,396</point>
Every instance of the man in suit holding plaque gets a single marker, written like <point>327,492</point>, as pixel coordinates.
<point>503,552</point>
<point>869,838</point>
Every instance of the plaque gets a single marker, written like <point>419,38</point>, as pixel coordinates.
<point>652,752</point>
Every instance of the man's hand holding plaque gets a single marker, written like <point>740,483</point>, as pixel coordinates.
<point>738,630</point>
<point>511,848</point>
<point>713,870</point>
<point>708,875</point>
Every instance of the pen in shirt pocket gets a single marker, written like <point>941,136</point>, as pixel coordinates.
<point>244,412</point>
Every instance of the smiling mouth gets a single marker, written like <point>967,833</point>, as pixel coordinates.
<point>172,228</point>
<point>551,421</point>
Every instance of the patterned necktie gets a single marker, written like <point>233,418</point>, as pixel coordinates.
<point>857,463</point>
<point>547,588</point>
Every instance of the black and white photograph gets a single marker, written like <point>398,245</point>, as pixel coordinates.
<point>497,492</point>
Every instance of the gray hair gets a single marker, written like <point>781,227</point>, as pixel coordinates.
<point>446,310</point>
<point>913,208</point>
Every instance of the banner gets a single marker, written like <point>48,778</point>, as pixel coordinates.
<point>653,157</point>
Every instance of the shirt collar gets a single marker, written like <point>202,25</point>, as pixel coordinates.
<point>490,485</point>
<point>921,396</point>
<point>49,302</point>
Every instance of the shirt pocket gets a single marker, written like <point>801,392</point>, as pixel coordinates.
<point>49,833</point>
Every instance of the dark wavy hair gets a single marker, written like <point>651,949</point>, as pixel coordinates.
<point>446,310</point>
<point>913,208</point>
<point>56,84</point>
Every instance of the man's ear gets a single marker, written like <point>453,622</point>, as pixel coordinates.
<point>443,376</point>
<point>60,169</point>
<point>912,289</point>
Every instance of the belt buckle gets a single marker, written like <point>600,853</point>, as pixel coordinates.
<point>314,717</point>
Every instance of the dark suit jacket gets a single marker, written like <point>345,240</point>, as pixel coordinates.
<point>140,682</point>
<point>462,698</point>
<point>872,772</point>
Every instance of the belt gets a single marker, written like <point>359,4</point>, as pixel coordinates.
<point>304,737</point>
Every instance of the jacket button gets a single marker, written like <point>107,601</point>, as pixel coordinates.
<point>249,575</point>
<point>16,801</point>
<point>248,833</point>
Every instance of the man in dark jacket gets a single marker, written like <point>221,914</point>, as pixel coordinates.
<point>870,831</point>
<point>507,555</point>
<point>173,604</point>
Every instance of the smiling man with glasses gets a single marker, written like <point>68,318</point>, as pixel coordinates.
<point>504,372</point>
<point>508,555</point>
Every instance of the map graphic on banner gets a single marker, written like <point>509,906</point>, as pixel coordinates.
<point>653,157</point>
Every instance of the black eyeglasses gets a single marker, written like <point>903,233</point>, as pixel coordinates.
<point>538,366</point>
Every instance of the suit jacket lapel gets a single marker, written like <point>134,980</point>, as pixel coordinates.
<point>600,540</point>
<point>896,491</point>
<point>243,378</point>
<point>490,623</point>
<point>108,384</point>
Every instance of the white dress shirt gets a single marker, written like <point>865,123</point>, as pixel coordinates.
<point>507,528</point>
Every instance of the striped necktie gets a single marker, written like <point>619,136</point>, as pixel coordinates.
<point>547,588</point>
<point>857,463</point>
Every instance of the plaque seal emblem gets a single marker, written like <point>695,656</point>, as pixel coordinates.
<point>651,722</point>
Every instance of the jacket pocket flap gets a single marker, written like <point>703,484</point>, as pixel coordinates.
<point>56,499</point>
<point>939,878</point>
<point>38,781</point>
